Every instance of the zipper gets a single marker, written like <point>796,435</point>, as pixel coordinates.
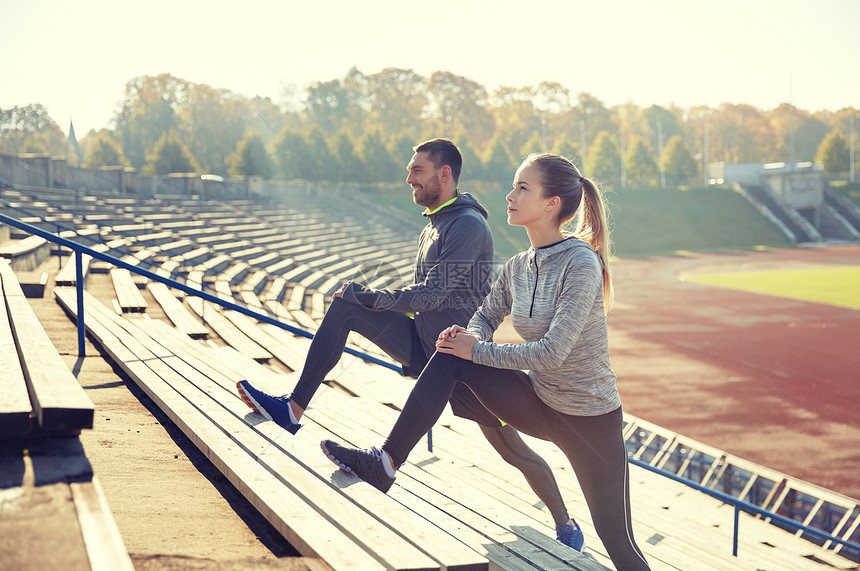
<point>534,293</point>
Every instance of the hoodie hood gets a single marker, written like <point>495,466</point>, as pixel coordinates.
<point>463,200</point>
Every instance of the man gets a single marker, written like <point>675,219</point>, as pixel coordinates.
<point>452,276</point>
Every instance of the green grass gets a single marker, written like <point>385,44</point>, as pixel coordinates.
<point>840,286</point>
<point>644,222</point>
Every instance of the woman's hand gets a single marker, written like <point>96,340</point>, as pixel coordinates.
<point>339,292</point>
<point>457,341</point>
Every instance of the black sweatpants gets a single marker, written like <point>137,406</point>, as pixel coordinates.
<point>392,332</point>
<point>593,444</point>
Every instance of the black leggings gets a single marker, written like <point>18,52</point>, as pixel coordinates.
<point>392,332</point>
<point>593,444</point>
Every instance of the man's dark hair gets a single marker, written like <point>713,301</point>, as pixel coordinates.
<point>442,152</point>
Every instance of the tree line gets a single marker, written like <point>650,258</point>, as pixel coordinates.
<point>361,128</point>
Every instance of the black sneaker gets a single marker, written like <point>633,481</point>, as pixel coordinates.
<point>366,464</point>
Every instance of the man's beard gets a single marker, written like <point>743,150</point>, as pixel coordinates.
<point>429,193</point>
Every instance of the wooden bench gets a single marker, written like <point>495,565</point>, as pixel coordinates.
<point>128,295</point>
<point>55,515</point>
<point>320,510</point>
<point>26,254</point>
<point>181,318</point>
<point>40,394</point>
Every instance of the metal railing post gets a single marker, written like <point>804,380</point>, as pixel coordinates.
<point>736,533</point>
<point>79,287</point>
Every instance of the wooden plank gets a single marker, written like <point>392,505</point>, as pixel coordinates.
<point>105,547</point>
<point>59,402</point>
<point>15,407</point>
<point>127,294</point>
<point>181,318</point>
<point>225,329</point>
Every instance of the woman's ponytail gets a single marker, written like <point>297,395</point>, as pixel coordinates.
<point>592,227</point>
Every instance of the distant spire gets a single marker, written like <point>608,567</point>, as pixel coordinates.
<point>73,141</point>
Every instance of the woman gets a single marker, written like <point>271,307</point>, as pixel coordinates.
<point>557,293</point>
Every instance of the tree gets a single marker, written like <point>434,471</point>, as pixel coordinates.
<point>31,129</point>
<point>213,121</point>
<point>473,166</point>
<point>498,164</point>
<point>833,153</point>
<point>641,165</point>
<point>103,151</point>
<point>330,106</point>
<point>679,164</point>
<point>349,166</point>
<point>515,114</point>
<point>251,158</point>
<point>319,156</point>
<point>534,145</point>
<point>395,99</point>
<point>149,110</point>
<point>293,156</point>
<point>604,160</point>
<point>565,148</point>
<point>797,133</point>
<point>458,104</point>
<point>740,134</point>
<point>169,155</point>
<point>379,165</point>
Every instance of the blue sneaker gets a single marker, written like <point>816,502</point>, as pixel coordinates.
<point>570,535</point>
<point>276,409</point>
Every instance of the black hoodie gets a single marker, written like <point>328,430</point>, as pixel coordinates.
<point>453,271</point>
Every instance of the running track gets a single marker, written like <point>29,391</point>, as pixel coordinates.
<point>772,380</point>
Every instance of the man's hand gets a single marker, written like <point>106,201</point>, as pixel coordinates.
<point>339,292</point>
<point>457,341</point>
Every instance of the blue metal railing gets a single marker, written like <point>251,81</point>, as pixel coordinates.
<point>80,249</point>
<point>740,505</point>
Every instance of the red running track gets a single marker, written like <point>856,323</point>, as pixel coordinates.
<point>769,379</point>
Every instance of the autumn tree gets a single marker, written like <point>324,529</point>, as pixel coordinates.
<point>458,104</point>
<point>103,151</point>
<point>212,122</point>
<point>740,134</point>
<point>833,153</point>
<point>515,114</point>
<point>499,166</point>
<point>349,166</point>
<point>379,165</point>
<point>641,164</point>
<point>169,155</point>
<point>604,160</point>
<point>148,111</point>
<point>679,165</point>
<point>395,99</point>
<point>31,129</point>
<point>293,156</point>
<point>250,158</point>
<point>330,106</point>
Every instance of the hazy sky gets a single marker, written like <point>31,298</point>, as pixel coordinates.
<point>76,57</point>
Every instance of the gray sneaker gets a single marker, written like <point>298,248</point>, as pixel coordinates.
<point>366,464</point>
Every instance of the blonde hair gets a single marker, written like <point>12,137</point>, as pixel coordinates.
<point>560,177</point>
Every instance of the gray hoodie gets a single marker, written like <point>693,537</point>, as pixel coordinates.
<point>555,298</point>
<point>453,271</point>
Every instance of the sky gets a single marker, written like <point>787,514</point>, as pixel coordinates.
<point>75,58</point>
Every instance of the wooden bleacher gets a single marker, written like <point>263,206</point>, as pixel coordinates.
<point>54,513</point>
